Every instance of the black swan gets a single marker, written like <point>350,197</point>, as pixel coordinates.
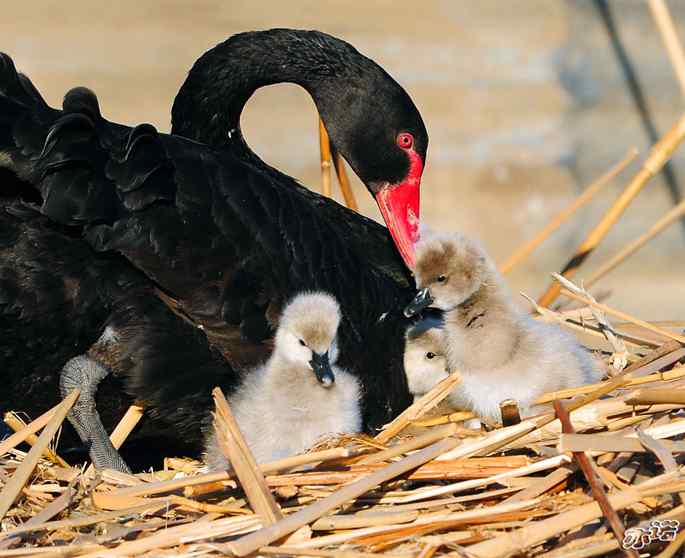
<point>189,246</point>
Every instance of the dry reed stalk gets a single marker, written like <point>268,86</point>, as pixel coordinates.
<point>344,182</point>
<point>410,445</point>
<point>161,487</point>
<point>478,467</point>
<point>572,392</point>
<point>17,425</point>
<point>598,493</point>
<point>290,551</point>
<point>540,486</point>
<point>177,535</point>
<point>427,402</point>
<point>47,513</point>
<point>579,323</point>
<point>325,150</point>
<point>520,540</point>
<point>596,415</point>
<point>458,416</point>
<point>34,426</point>
<point>655,395</point>
<point>657,228</point>
<point>492,441</point>
<point>267,535</point>
<point>65,551</point>
<point>80,521</point>
<point>13,488</point>
<point>608,443</point>
<point>659,154</point>
<point>430,519</point>
<point>620,357</point>
<point>524,251</point>
<point>243,463</point>
<point>659,449</point>
<point>624,316</point>
<point>335,522</point>
<point>389,501</point>
<point>598,546</point>
<point>664,22</point>
<point>542,465</point>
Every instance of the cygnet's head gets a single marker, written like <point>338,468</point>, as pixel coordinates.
<point>306,334</point>
<point>449,269</point>
<point>425,363</point>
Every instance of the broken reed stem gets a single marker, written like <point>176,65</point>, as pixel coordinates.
<point>664,21</point>
<point>337,553</point>
<point>529,536</point>
<point>410,445</point>
<point>658,156</point>
<point>325,150</point>
<point>34,426</point>
<point>243,463</point>
<point>17,425</point>
<point>344,181</point>
<point>13,488</point>
<point>428,401</point>
<point>265,536</point>
<point>656,396</point>
<point>572,392</point>
<point>620,356</point>
<point>667,220</point>
<point>609,443</point>
<point>461,486</point>
<point>523,252</point>
<point>623,316</point>
<point>596,487</point>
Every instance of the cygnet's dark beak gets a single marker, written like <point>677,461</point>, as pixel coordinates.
<point>322,368</point>
<point>422,300</point>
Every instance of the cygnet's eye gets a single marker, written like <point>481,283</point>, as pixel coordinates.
<point>302,343</point>
<point>430,356</point>
<point>442,278</point>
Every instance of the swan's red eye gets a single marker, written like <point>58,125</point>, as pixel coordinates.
<point>405,140</point>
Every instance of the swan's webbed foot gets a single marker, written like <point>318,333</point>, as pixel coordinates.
<point>85,373</point>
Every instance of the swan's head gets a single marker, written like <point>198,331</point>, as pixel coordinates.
<point>425,363</point>
<point>374,124</point>
<point>449,269</point>
<point>306,334</point>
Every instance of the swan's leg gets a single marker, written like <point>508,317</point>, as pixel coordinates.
<point>84,373</point>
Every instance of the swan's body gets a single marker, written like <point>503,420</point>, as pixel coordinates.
<point>217,239</point>
<point>500,352</point>
<point>287,404</point>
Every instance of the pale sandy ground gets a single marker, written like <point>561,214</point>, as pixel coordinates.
<point>510,145</point>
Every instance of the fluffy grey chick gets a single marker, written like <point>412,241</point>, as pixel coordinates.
<point>501,352</point>
<point>299,395</point>
<point>425,362</point>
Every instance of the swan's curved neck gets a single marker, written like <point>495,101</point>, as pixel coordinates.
<point>209,104</point>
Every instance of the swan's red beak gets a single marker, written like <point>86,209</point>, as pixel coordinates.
<point>399,205</point>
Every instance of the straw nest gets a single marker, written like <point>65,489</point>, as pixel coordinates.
<point>600,471</point>
<point>424,486</point>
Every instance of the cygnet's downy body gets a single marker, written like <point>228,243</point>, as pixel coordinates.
<point>298,396</point>
<point>501,352</point>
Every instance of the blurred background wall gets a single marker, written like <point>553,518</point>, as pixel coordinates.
<point>523,100</point>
